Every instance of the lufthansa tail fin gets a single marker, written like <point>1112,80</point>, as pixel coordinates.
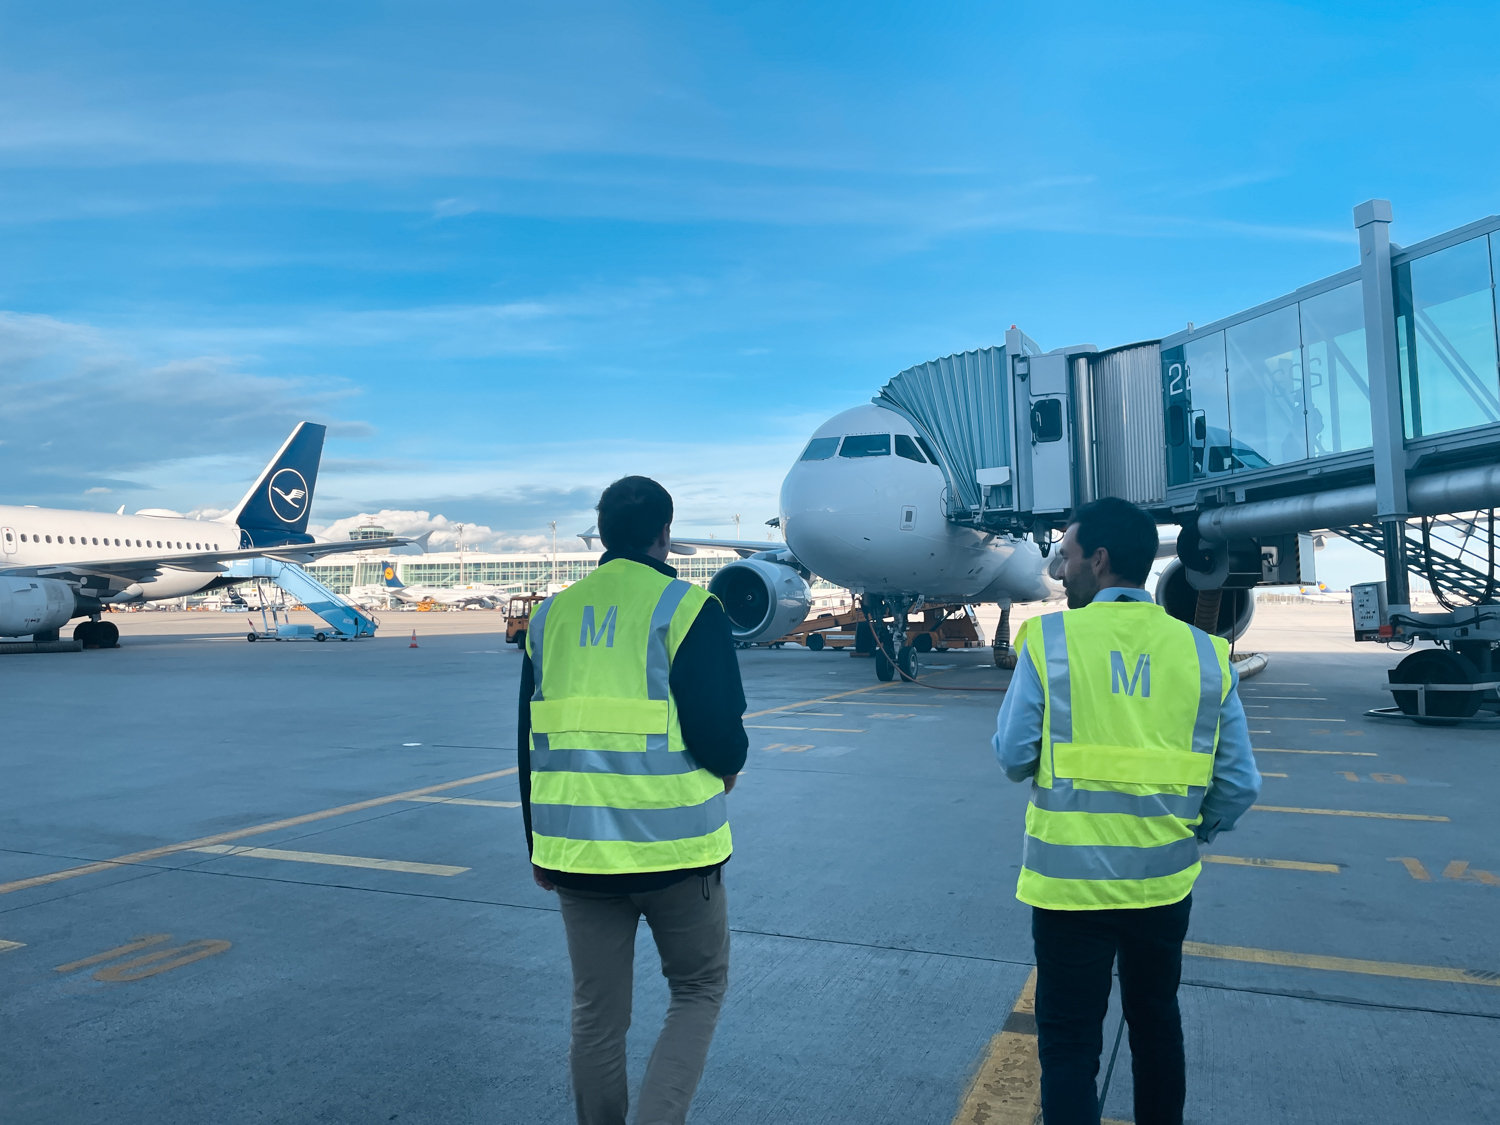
<point>388,577</point>
<point>276,508</point>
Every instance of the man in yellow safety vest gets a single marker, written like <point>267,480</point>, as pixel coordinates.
<point>629,740</point>
<point>1130,728</point>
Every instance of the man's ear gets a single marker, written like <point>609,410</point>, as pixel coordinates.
<point>1099,562</point>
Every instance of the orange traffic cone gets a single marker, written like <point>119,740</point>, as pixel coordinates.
<point>413,639</point>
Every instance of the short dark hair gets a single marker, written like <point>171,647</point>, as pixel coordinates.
<point>1122,529</point>
<point>632,512</point>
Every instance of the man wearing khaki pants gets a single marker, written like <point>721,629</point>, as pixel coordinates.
<point>629,742</point>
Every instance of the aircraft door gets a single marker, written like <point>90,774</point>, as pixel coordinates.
<point>8,541</point>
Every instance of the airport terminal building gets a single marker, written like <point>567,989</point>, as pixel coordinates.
<point>524,572</point>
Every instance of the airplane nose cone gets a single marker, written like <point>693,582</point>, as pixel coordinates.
<point>826,515</point>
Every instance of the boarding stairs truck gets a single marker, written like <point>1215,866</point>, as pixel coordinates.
<point>346,620</point>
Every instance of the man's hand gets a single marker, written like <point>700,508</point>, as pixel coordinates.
<point>729,781</point>
<point>541,878</point>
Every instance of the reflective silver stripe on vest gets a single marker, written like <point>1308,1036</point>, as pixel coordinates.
<point>641,826</point>
<point>627,762</point>
<point>1210,694</point>
<point>659,664</point>
<point>1099,861</point>
<point>1062,797</point>
<point>536,633</point>
<point>1059,687</point>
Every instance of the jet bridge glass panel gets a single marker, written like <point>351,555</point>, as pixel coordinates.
<point>1197,394</point>
<point>1445,336</point>
<point>1266,414</point>
<point>1335,371</point>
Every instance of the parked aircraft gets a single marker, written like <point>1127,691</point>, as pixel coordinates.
<point>863,508</point>
<point>461,596</point>
<point>57,564</point>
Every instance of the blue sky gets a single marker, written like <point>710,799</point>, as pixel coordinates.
<point>509,252</point>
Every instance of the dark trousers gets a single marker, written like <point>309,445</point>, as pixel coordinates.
<point>1075,950</point>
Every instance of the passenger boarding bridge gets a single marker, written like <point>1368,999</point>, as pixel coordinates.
<point>1354,405</point>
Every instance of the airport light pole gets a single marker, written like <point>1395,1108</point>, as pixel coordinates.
<point>554,551</point>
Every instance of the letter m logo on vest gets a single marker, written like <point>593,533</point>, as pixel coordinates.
<point>588,635</point>
<point>1119,678</point>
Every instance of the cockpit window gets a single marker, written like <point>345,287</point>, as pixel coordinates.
<point>927,449</point>
<point>907,448</point>
<point>866,445</point>
<point>820,449</point>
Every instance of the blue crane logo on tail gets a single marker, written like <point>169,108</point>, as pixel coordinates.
<point>287,494</point>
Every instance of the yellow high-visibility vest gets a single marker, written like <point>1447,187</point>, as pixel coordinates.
<point>613,788</point>
<point>1131,725</point>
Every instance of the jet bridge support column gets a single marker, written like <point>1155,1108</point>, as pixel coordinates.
<point>1373,220</point>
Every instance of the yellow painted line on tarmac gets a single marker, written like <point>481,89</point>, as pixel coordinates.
<point>1281,864</point>
<point>1339,753</point>
<point>1341,964</point>
<point>1007,1088</point>
<point>468,801</point>
<point>1352,812</point>
<point>7,946</point>
<point>239,833</point>
<point>335,860</point>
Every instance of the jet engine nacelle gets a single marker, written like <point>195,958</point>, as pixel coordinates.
<point>764,600</point>
<point>1173,594</point>
<point>34,605</point>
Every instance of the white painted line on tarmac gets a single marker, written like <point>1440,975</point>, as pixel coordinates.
<point>7,946</point>
<point>1294,719</point>
<point>468,801</point>
<point>334,860</point>
<point>1339,753</point>
<point>775,726</point>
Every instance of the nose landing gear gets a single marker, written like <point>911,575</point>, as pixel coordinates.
<point>892,652</point>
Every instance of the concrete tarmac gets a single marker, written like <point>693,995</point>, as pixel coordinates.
<point>306,920</point>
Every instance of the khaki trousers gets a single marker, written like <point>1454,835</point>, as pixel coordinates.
<point>690,926</point>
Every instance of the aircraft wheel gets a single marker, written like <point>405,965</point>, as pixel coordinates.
<point>86,633</point>
<point>815,642</point>
<point>251,637</point>
<point>108,633</point>
<point>923,643</point>
<point>884,669</point>
<point>907,660</point>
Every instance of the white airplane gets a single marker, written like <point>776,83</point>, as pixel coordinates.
<point>57,564</point>
<point>863,507</point>
<point>461,596</point>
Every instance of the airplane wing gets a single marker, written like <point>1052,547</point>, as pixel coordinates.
<point>742,547</point>
<point>141,567</point>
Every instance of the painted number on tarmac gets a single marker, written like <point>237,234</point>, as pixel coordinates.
<point>1382,778</point>
<point>147,964</point>
<point>1457,870</point>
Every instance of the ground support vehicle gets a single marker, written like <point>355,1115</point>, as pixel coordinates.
<point>518,617</point>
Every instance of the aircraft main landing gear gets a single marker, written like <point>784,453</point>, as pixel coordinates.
<point>97,634</point>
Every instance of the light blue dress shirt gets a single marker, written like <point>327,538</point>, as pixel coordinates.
<point>1236,781</point>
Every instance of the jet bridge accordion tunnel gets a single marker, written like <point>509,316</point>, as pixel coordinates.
<point>1364,405</point>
